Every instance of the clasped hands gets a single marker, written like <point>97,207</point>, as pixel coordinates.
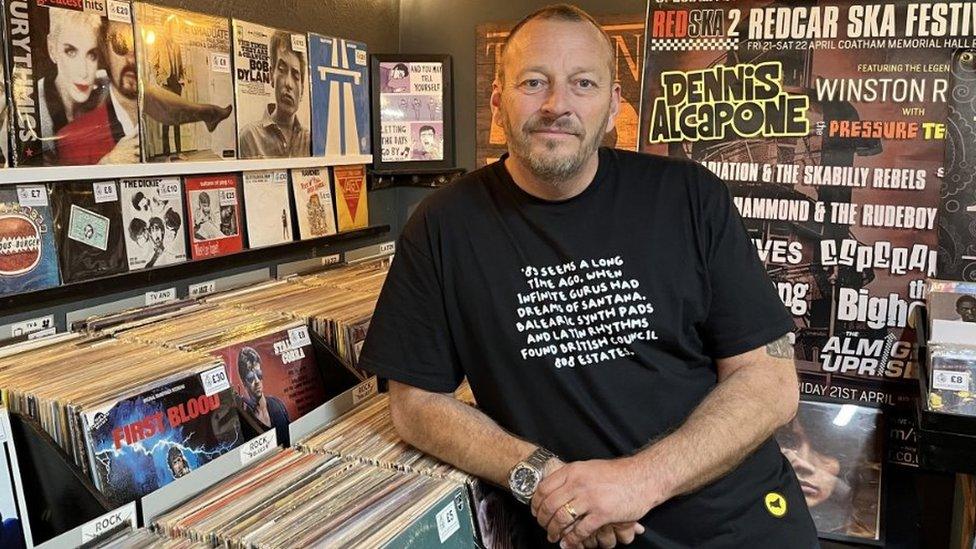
<point>596,503</point>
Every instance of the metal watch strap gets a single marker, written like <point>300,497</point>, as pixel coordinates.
<point>537,460</point>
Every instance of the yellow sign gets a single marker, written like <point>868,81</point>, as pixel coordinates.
<point>775,504</point>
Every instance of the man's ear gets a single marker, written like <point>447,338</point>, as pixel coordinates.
<point>614,107</point>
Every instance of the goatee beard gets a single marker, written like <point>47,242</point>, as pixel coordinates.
<point>551,170</point>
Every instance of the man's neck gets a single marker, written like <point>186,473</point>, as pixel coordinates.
<point>547,190</point>
<point>130,105</point>
<point>283,121</point>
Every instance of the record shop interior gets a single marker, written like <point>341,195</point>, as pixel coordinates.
<point>497,275</point>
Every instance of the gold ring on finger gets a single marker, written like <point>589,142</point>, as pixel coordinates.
<point>572,512</point>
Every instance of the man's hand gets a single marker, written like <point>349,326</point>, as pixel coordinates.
<point>606,495</point>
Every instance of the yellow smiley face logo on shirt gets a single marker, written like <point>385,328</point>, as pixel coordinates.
<point>775,504</point>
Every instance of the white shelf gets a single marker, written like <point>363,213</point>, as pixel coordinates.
<point>27,175</point>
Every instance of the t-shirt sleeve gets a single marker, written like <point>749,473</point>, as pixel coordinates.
<point>409,339</point>
<point>745,311</point>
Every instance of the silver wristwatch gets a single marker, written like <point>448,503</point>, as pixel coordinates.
<point>526,476</point>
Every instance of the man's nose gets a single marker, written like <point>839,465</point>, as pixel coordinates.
<point>557,100</point>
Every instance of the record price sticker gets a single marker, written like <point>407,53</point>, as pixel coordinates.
<point>950,380</point>
<point>388,247</point>
<point>259,446</point>
<point>105,192</point>
<point>214,380</point>
<point>34,196</point>
<point>219,62</point>
<point>108,522</point>
<point>298,337</point>
<point>169,189</point>
<point>447,522</point>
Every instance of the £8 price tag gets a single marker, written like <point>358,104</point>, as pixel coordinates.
<point>948,380</point>
<point>105,192</point>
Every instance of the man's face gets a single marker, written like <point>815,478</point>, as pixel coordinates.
<point>253,381</point>
<point>89,231</point>
<point>816,472</point>
<point>121,57</point>
<point>287,81</point>
<point>427,138</point>
<point>967,310</point>
<point>156,234</point>
<point>204,206</point>
<point>557,98</point>
<point>179,466</point>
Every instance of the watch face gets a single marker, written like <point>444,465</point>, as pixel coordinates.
<point>524,480</point>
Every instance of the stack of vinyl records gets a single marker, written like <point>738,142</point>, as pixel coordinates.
<point>132,416</point>
<point>270,362</point>
<point>952,346</point>
<point>338,304</point>
<point>145,539</point>
<point>366,434</point>
<point>294,499</point>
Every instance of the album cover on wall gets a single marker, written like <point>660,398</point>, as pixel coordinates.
<point>267,209</point>
<point>73,83</point>
<point>187,90</point>
<point>340,93</point>
<point>957,196</point>
<point>951,308</point>
<point>142,443</point>
<point>413,112</point>
<point>313,202</point>
<point>28,256</point>
<point>272,89</point>
<point>88,220</point>
<point>214,212</point>
<point>836,451</point>
<point>4,110</point>
<point>155,227</point>
<point>352,206</point>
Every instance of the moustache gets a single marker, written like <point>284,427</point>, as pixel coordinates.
<point>565,125</point>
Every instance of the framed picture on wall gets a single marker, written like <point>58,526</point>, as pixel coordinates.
<point>413,113</point>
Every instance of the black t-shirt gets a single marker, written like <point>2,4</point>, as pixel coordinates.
<point>591,325</point>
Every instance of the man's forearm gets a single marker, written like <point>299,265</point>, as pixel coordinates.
<point>456,433</point>
<point>730,423</point>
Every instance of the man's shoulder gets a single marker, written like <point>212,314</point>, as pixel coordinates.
<point>670,172</point>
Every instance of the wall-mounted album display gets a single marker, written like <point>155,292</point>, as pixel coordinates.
<point>88,219</point>
<point>314,202</point>
<point>267,209</point>
<point>340,94</point>
<point>28,256</point>
<point>957,199</point>
<point>352,209</point>
<point>187,90</point>
<point>214,211</point>
<point>272,90</point>
<point>4,110</point>
<point>74,87</point>
<point>413,112</point>
<point>155,227</point>
<point>836,451</point>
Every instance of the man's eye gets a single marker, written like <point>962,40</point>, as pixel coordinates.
<point>586,84</point>
<point>532,83</point>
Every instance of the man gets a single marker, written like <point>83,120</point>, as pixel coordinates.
<point>966,308</point>
<point>109,133</point>
<point>268,410</point>
<point>279,133</point>
<point>430,148</point>
<point>178,465</point>
<point>204,225</point>
<point>605,306</point>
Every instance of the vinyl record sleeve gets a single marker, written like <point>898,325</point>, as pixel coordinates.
<point>276,373</point>
<point>142,443</point>
<point>267,208</point>
<point>155,225</point>
<point>184,61</point>
<point>272,91</point>
<point>313,202</point>
<point>15,526</point>
<point>351,201</point>
<point>89,229</point>
<point>73,84</point>
<point>28,257</point>
<point>836,451</point>
<point>214,211</point>
<point>340,95</point>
